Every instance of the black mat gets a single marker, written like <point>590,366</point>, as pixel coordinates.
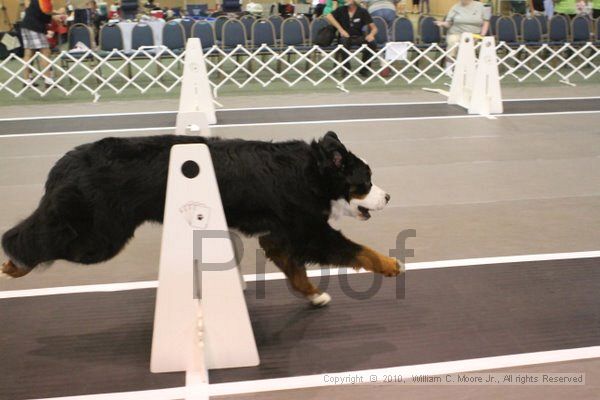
<point>100,342</point>
<point>331,113</point>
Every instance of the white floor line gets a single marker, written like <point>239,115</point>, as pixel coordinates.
<point>122,286</point>
<point>86,115</point>
<point>439,117</point>
<point>334,105</point>
<point>309,381</point>
<point>111,131</point>
<point>176,393</point>
<point>449,367</point>
<point>102,287</point>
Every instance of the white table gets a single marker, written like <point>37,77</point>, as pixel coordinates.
<point>127,30</point>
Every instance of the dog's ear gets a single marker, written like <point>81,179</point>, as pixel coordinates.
<point>333,150</point>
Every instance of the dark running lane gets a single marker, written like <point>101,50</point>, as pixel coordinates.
<point>285,115</point>
<point>65,345</point>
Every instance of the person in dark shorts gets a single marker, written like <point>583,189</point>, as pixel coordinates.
<point>536,7</point>
<point>415,7</point>
<point>350,20</point>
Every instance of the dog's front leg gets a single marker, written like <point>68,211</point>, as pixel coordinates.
<point>373,261</point>
<point>296,273</point>
<point>345,252</point>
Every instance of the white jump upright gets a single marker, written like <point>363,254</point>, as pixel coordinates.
<point>486,97</point>
<point>217,325</point>
<point>196,103</point>
<point>464,72</point>
<point>476,83</point>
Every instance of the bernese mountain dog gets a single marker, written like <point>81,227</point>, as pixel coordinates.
<point>285,193</point>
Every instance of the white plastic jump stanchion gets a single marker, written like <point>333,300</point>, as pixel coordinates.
<point>476,83</point>
<point>464,72</point>
<point>195,334</point>
<point>196,103</point>
<point>486,97</point>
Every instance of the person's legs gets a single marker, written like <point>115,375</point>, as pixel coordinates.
<point>44,63</point>
<point>451,41</point>
<point>28,53</point>
<point>346,43</point>
<point>367,53</point>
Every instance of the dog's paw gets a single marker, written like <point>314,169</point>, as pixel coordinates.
<point>10,271</point>
<point>319,299</point>
<point>391,267</point>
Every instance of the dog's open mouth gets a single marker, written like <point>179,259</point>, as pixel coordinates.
<point>364,212</point>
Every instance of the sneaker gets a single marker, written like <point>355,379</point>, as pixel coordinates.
<point>365,73</point>
<point>385,72</point>
<point>48,82</point>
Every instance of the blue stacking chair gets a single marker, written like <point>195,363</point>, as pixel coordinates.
<point>429,32</point>
<point>403,30</point>
<point>558,30</point>
<point>580,30</point>
<point>276,20</point>
<point>316,25</point>
<point>248,21</point>
<point>187,24</point>
<point>292,33</point>
<point>263,32</point>
<point>543,20</point>
<point>506,31</point>
<point>110,38</point>
<point>492,28</point>
<point>382,31</point>
<point>518,18</point>
<point>234,33</point>
<point>174,37</point>
<point>305,26</point>
<point>219,22</point>
<point>532,31</point>
<point>141,36</point>
<point>204,31</point>
<point>80,33</point>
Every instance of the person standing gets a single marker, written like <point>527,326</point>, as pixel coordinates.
<point>33,31</point>
<point>536,7</point>
<point>566,7</point>
<point>596,9</point>
<point>350,20</point>
<point>415,7</point>
<point>465,16</point>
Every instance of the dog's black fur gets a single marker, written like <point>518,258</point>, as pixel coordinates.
<point>99,193</point>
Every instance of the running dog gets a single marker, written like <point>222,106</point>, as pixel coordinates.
<point>285,193</point>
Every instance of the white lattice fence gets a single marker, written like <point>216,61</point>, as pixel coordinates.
<point>160,68</point>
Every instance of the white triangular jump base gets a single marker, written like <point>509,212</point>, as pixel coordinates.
<point>476,83</point>
<point>216,327</point>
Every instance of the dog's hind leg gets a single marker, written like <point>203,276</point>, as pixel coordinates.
<point>294,271</point>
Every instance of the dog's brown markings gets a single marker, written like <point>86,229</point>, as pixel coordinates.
<point>371,260</point>
<point>295,273</point>
<point>9,268</point>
